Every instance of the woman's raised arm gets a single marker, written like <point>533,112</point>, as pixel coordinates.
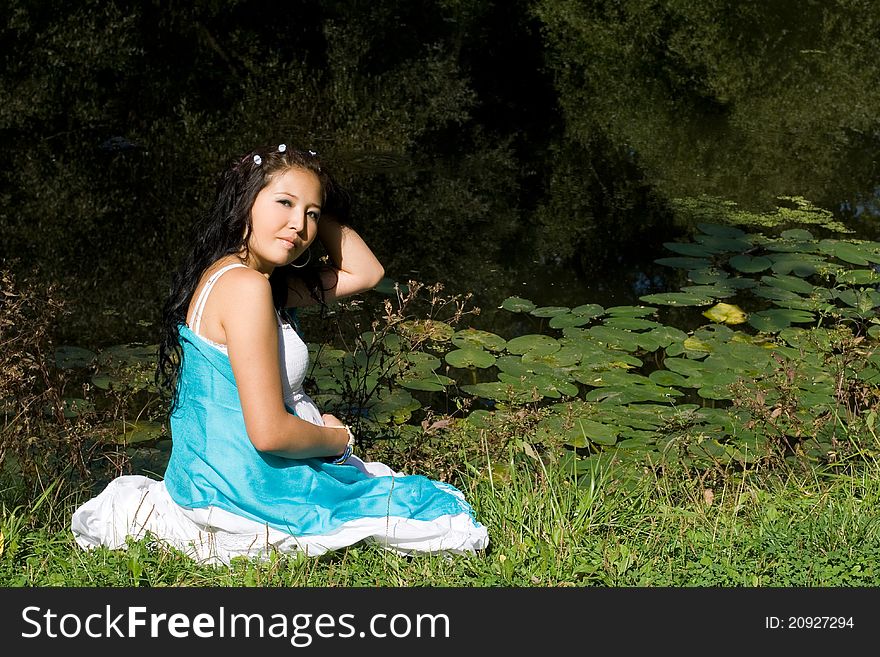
<point>356,268</point>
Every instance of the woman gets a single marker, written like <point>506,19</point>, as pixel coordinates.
<point>255,466</point>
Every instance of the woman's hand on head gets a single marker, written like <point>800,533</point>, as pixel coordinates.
<point>354,266</point>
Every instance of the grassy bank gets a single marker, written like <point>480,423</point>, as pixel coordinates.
<point>546,530</point>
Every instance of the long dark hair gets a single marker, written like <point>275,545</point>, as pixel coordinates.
<point>225,230</point>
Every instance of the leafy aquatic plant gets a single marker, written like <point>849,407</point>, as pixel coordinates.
<point>766,351</point>
<point>788,379</point>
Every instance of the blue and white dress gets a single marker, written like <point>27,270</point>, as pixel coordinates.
<point>221,498</point>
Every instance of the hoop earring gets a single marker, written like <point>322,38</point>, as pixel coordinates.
<point>308,260</point>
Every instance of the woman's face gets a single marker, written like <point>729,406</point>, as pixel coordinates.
<point>284,219</point>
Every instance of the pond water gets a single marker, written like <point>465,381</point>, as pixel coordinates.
<point>625,278</point>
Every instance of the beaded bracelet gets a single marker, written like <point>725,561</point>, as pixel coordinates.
<point>349,447</point>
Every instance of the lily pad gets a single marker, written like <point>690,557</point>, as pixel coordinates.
<point>613,377</point>
<point>595,355</point>
<point>498,391</point>
<point>588,310</point>
<point>471,337</point>
<point>395,406</point>
<point>328,380</point>
<point>685,366</point>
<point>421,360</point>
<point>69,357</point>
<point>327,356</point>
<point>391,341</point>
<point>631,311</point>
<point>632,394</point>
<point>859,277</point>
<point>695,344</point>
<point>577,432</point>
<point>717,291</point>
<point>862,300</point>
<point>564,357</point>
<point>426,381</point>
<point>776,319</point>
<point>677,299</point>
<point>790,283</point>
<point>614,338</point>
<point>723,244</point>
<point>799,264</point>
<point>546,386</point>
<point>549,311</point>
<point>719,230</point>
<point>715,333</point>
<point>813,339</point>
<point>797,234</point>
<point>515,366</point>
<point>647,341</point>
<point>716,385</point>
<point>537,342</point>
<point>470,357</point>
<point>709,451</point>
<point>667,378</point>
<point>131,433</point>
<point>631,323</point>
<point>709,276</point>
<point>480,418</point>
<point>792,246</point>
<point>517,305</point>
<point>850,252</point>
<point>666,335</point>
<point>107,382</point>
<point>741,282</point>
<point>750,264</point>
<point>776,294</point>
<point>568,319</point>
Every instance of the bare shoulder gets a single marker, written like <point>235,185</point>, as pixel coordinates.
<point>243,289</point>
<point>245,276</point>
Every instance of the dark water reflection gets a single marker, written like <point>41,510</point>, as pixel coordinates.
<point>623,279</point>
<point>553,284</point>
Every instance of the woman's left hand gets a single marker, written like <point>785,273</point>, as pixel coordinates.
<point>355,266</point>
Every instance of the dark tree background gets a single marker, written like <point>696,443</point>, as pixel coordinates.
<point>477,137</point>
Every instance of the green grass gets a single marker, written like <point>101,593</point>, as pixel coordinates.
<point>546,530</point>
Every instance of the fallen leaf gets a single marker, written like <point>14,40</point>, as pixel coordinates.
<point>708,496</point>
<point>725,313</point>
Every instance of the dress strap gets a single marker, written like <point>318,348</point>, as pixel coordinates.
<point>203,296</point>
